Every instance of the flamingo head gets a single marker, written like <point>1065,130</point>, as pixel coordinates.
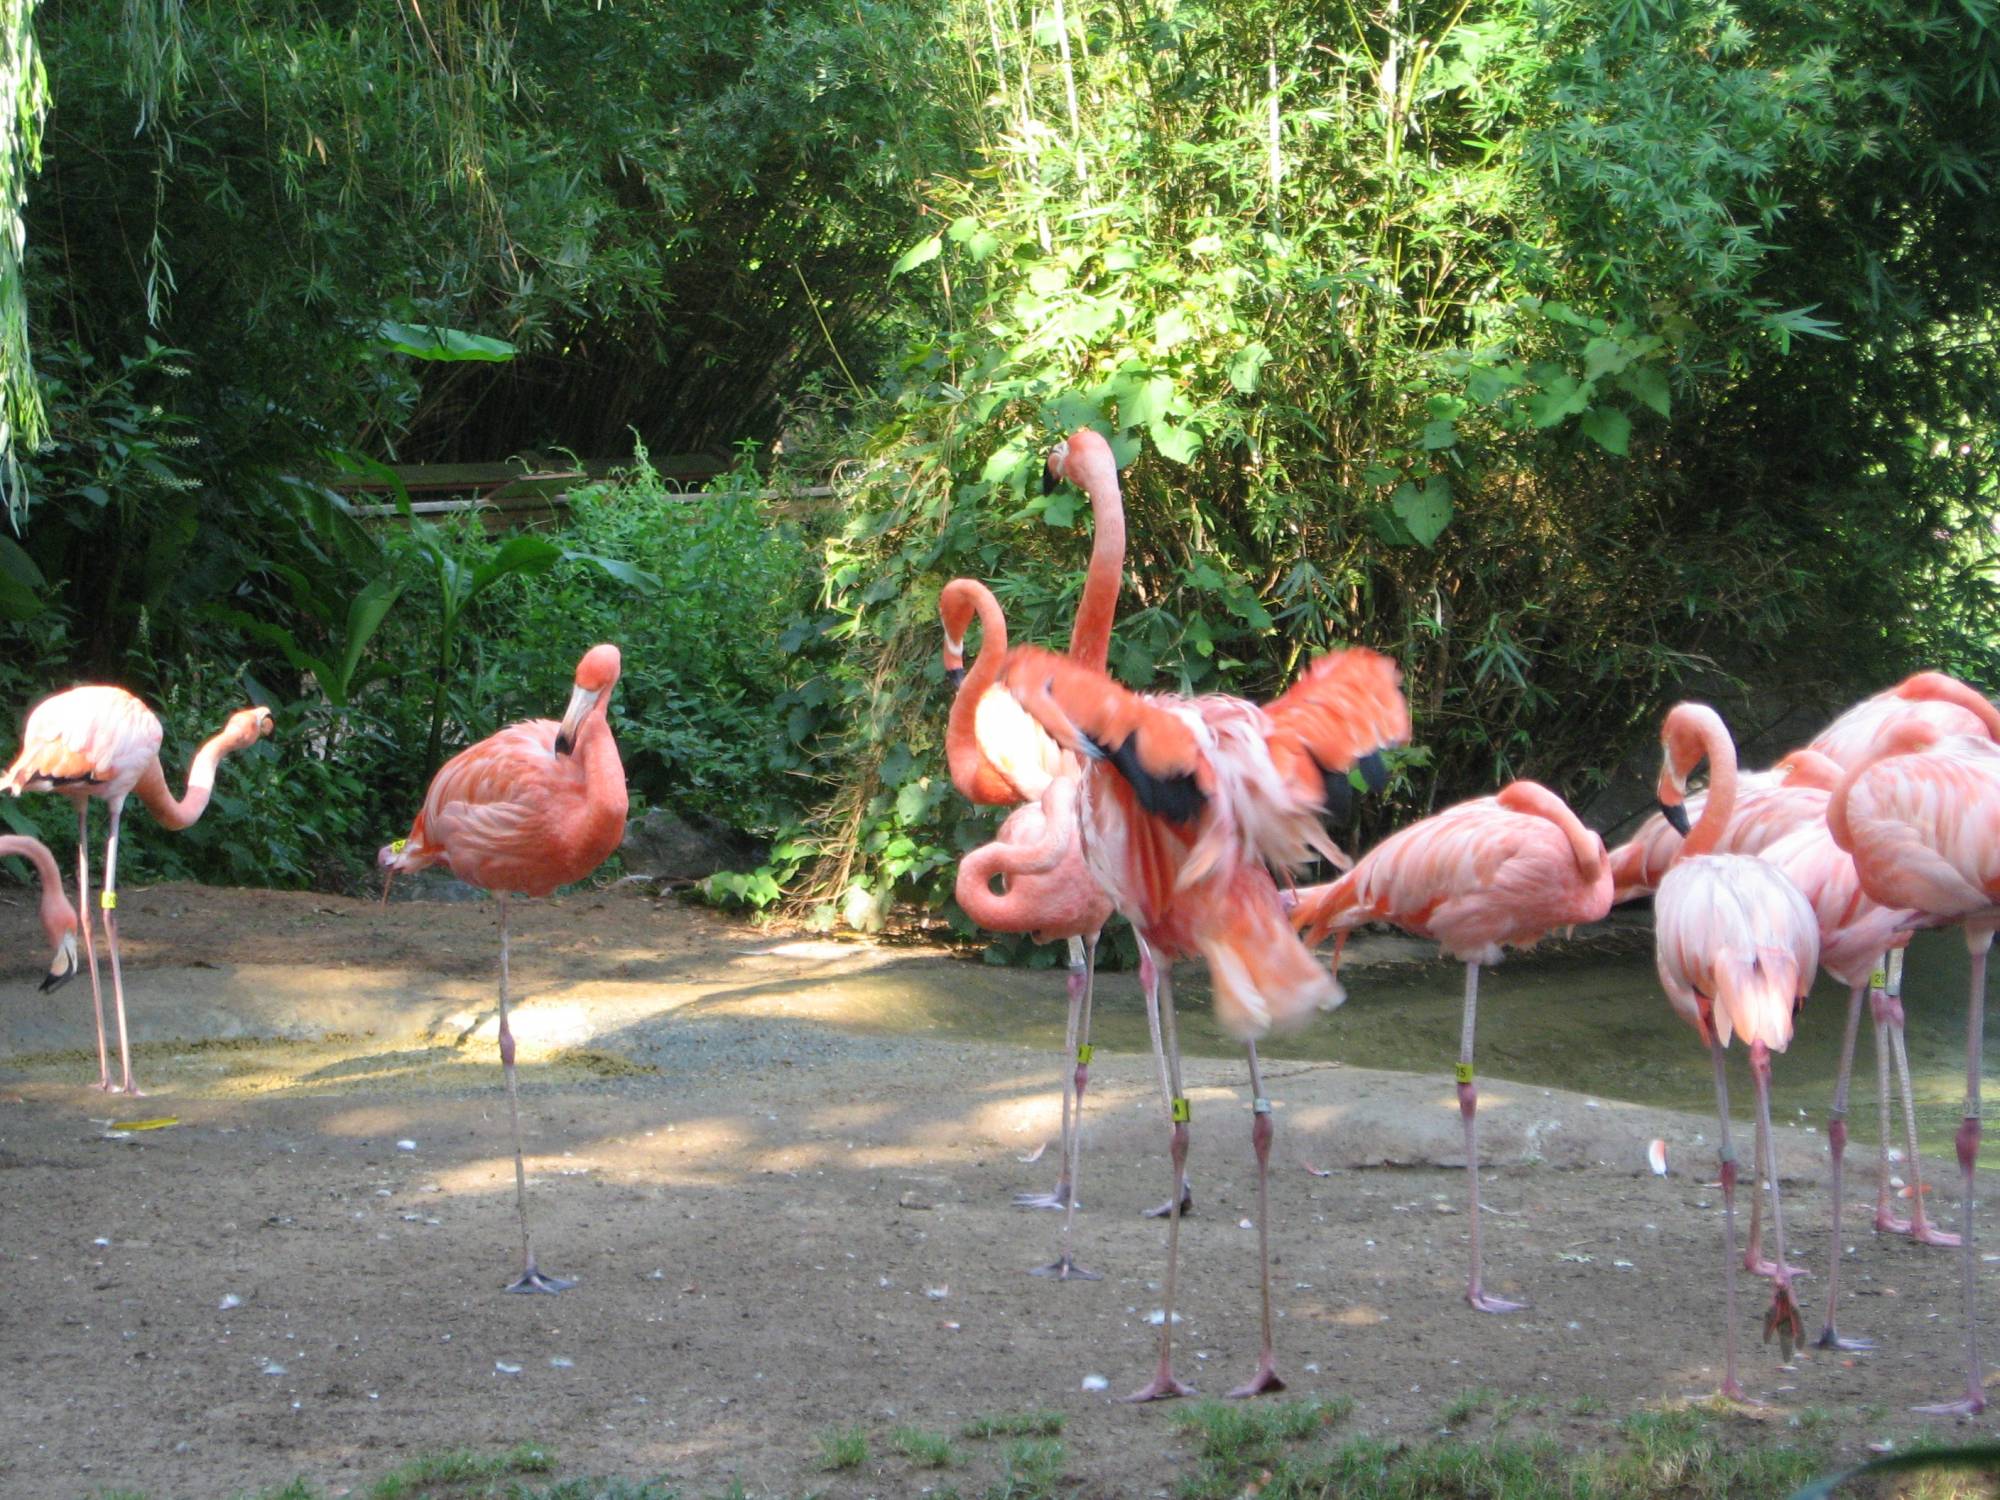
<point>957,602</point>
<point>248,725</point>
<point>59,924</point>
<point>1685,738</point>
<point>596,675</point>
<point>1081,459</point>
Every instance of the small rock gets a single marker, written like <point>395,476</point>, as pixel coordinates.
<point>1095,1383</point>
<point>229,1301</point>
<point>913,1199</point>
<point>506,1369</point>
<point>406,1145</point>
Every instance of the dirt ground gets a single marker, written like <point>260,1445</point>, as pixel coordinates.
<point>785,1187</point>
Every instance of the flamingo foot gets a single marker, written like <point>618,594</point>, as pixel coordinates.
<point>1314,1171</point>
<point>1784,1320</point>
<point>1969,1406</point>
<point>1924,1232</point>
<point>1830,1339</point>
<point>1481,1301</point>
<point>129,1089</point>
<point>1162,1387</point>
<point>1058,1197</point>
<point>1758,1265</point>
<point>1265,1380</point>
<point>1066,1268</point>
<point>533,1280</point>
<point>1166,1210</point>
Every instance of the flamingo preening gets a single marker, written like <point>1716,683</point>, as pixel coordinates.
<point>103,742</point>
<point>1736,946</point>
<point>998,758</point>
<point>1920,814</point>
<point>534,807</point>
<point>57,915</point>
<point>1494,873</point>
<point>1188,806</point>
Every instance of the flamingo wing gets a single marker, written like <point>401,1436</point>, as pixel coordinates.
<point>89,736</point>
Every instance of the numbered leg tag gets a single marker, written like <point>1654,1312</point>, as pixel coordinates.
<point>1180,1112</point>
<point>1879,980</point>
<point>397,846</point>
<point>1260,1106</point>
<point>1463,1072</point>
<point>1084,1053</point>
<point>108,900</point>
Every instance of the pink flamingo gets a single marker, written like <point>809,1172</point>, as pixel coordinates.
<point>999,758</point>
<point>536,806</point>
<point>1188,804</point>
<point>1498,872</point>
<point>1920,814</point>
<point>1951,707</point>
<point>57,915</point>
<point>1736,946</point>
<point>103,742</point>
<point>1769,805</point>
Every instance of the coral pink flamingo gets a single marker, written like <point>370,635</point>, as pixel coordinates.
<point>103,742</point>
<point>1736,946</point>
<point>536,806</point>
<point>998,758</point>
<point>57,915</point>
<point>1769,805</point>
<point>1498,872</point>
<point>1188,805</point>
<point>1950,707</point>
<point>1920,814</point>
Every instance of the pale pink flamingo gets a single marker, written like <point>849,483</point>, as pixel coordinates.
<point>1736,946</point>
<point>1951,707</point>
<point>539,805</point>
<point>998,758</point>
<point>1920,814</point>
<point>1494,873</point>
<point>1769,805</point>
<point>57,915</point>
<point>103,742</point>
<point>1188,805</point>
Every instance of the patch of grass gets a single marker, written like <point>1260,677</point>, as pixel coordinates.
<point>1033,1469</point>
<point>1015,1424</point>
<point>1233,1439</point>
<point>927,1450</point>
<point>1587,1406</point>
<point>843,1448</point>
<point>461,1468</point>
<point>1466,1405</point>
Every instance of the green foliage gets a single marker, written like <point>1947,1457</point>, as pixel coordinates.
<point>24,101</point>
<point>927,1450</point>
<point>843,1448</point>
<point>1015,1424</point>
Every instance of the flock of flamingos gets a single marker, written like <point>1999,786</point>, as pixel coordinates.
<point>1189,817</point>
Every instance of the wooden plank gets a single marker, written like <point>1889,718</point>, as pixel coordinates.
<point>529,501</point>
<point>429,478</point>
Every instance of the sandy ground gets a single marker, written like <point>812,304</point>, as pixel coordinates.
<point>786,1193</point>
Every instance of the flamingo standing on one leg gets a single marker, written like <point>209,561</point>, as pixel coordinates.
<point>1498,872</point>
<point>103,742</point>
<point>1736,946</point>
<point>1950,707</point>
<point>57,915</point>
<point>1921,816</point>
<point>998,759</point>
<point>536,806</point>
<point>1188,806</point>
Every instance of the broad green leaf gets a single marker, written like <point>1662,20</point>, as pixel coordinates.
<point>1059,509</point>
<point>1440,435</point>
<point>1048,278</point>
<point>1377,474</point>
<point>1004,464</point>
<point>1648,383</point>
<point>1180,444</point>
<point>430,341</point>
<point>1388,526</point>
<point>1142,400</point>
<point>1603,356</point>
<point>920,254</point>
<point>15,564</point>
<point>520,553</point>
<point>982,244</point>
<point>1609,428</point>
<point>962,229</point>
<point>1171,328</point>
<point>1425,510</point>
<point>615,568</point>
<point>1564,396</point>
<point>1072,410</point>
<point>1489,383</point>
<point>1247,365</point>
<point>365,615</point>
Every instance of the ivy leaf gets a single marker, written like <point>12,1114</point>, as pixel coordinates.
<point>1440,435</point>
<point>920,254</point>
<point>1425,510</point>
<point>1564,396</point>
<point>1609,428</point>
<point>1247,365</point>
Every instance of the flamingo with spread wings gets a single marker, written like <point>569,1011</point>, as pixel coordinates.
<point>539,805</point>
<point>1494,873</point>
<point>1189,804</point>
<point>102,742</point>
<point>1920,814</point>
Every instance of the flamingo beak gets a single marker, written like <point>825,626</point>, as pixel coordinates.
<point>1676,814</point>
<point>1053,472</point>
<point>63,968</point>
<point>581,701</point>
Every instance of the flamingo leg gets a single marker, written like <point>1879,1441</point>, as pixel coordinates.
<point>1920,1227</point>
<point>1885,1221</point>
<point>1077,979</point>
<point>89,936</point>
<point>1159,986</point>
<point>109,902</point>
<point>1754,1259</point>
<point>1261,1131</point>
<point>532,1279</point>
<point>1836,1140</point>
<point>1974,1401</point>
<point>1065,1267</point>
<point>1783,1319</point>
<point>1149,980</point>
<point>1726,1155</point>
<point>1468,1111</point>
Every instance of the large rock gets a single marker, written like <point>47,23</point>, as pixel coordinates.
<point>688,846</point>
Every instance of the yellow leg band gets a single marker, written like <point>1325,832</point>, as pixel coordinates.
<point>1463,1072</point>
<point>1084,1053</point>
<point>108,900</point>
<point>1180,1111</point>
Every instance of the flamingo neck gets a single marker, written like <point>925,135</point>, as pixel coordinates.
<point>1090,637</point>
<point>1533,798</point>
<point>1837,821</point>
<point>971,772</point>
<point>181,812</point>
<point>56,912</point>
<point>1937,687</point>
<point>1704,727</point>
<point>603,770</point>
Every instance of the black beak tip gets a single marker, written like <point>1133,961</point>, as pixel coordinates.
<point>1374,770</point>
<point>1049,481</point>
<point>55,981</point>
<point>1676,814</point>
<point>955,676</point>
<point>564,744</point>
